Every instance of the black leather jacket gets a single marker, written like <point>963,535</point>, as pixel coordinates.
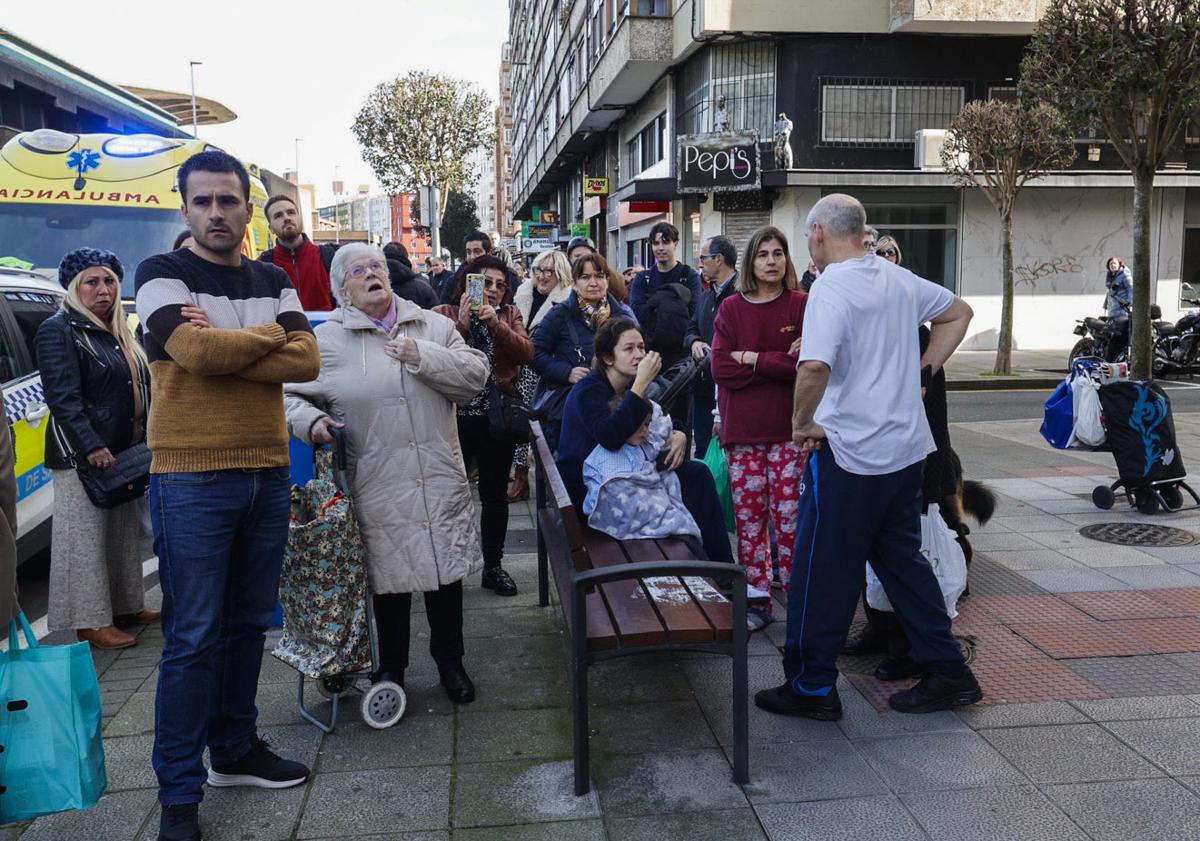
<point>88,387</point>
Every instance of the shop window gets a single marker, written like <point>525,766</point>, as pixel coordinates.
<point>926,227</point>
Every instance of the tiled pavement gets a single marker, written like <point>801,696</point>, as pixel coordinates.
<point>1089,653</point>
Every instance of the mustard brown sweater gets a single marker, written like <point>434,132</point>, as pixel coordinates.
<point>217,392</point>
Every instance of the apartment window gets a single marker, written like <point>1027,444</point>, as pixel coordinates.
<point>1004,94</point>
<point>508,136</point>
<point>649,8</point>
<point>648,147</point>
<point>507,162</point>
<point>866,112</point>
<point>742,73</point>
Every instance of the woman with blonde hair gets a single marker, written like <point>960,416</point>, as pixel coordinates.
<point>887,248</point>
<point>97,385</point>
<point>756,341</point>
<point>549,284</point>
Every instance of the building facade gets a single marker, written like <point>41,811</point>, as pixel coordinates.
<point>481,165</point>
<point>616,95</point>
<point>503,155</point>
<point>415,239</point>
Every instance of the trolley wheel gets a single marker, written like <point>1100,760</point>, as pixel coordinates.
<point>1103,497</point>
<point>1147,502</point>
<point>1172,497</point>
<point>383,704</point>
<point>331,686</point>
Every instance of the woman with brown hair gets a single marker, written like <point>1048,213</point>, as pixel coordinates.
<point>496,328</point>
<point>756,340</point>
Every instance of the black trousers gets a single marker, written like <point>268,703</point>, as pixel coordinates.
<point>493,460</point>
<point>443,609</point>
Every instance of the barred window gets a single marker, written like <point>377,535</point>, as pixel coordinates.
<point>884,112</point>
<point>742,73</point>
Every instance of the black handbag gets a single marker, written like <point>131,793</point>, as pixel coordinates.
<point>125,481</point>
<point>548,403</point>
<point>508,417</point>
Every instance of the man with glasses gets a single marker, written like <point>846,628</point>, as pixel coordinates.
<point>718,262</point>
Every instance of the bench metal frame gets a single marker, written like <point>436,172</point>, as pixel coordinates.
<point>551,526</point>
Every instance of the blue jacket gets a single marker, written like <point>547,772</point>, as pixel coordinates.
<point>1119,286</point>
<point>563,340</point>
<point>587,421</point>
<point>647,282</point>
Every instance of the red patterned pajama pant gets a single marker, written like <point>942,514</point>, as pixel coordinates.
<point>765,479</point>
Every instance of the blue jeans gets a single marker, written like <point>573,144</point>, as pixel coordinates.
<point>219,537</point>
<point>845,520</point>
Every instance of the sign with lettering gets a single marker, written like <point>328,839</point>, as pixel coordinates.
<point>595,187</point>
<point>719,162</point>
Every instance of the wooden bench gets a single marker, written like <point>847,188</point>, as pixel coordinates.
<point>632,597</point>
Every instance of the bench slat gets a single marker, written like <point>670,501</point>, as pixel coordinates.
<point>684,621</point>
<point>634,618</point>
<point>716,607</point>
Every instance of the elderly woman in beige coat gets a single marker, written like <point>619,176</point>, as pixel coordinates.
<point>391,374</point>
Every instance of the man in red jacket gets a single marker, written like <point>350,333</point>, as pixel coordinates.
<point>305,262</point>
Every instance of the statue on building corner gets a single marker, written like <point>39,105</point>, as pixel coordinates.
<point>783,144</point>
<point>721,116</point>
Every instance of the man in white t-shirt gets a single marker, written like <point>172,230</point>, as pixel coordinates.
<point>858,414</point>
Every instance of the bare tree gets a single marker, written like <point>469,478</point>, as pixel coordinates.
<point>999,147</point>
<point>1133,67</point>
<point>420,128</point>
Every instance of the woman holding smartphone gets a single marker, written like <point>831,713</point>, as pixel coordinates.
<point>488,321</point>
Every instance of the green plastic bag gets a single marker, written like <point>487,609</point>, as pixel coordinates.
<point>50,717</point>
<point>715,460</point>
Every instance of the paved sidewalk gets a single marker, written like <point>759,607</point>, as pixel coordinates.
<point>972,370</point>
<point>1089,654</point>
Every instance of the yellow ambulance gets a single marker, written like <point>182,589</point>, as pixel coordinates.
<point>59,192</point>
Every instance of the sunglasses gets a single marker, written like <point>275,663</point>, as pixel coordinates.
<point>887,252</point>
<point>492,283</point>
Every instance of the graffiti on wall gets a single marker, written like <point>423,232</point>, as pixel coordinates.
<point>1030,273</point>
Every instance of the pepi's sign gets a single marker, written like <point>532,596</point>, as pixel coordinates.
<point>719,162</point>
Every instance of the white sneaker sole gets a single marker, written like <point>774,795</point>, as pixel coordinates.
<point>219,780</point>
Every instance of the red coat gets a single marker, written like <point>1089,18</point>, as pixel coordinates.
<point>755,401</point>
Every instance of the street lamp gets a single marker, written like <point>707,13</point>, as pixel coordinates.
<point>297,142</point>
<point>192,70</point>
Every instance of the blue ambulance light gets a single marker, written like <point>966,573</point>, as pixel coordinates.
<point>138,146</point>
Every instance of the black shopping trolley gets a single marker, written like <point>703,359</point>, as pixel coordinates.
<point>328,622</point>
<point>1140,433</point>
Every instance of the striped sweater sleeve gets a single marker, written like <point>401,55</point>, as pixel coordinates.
<point>209,351</point>
<point>297,360</point>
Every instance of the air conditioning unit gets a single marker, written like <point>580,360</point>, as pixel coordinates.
<point>927,152</point>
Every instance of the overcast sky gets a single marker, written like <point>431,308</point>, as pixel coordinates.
<point>302,75</point>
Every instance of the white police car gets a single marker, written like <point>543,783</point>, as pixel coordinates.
<point>26,300</point>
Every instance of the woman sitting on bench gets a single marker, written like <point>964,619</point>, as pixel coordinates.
<point>623,369</point>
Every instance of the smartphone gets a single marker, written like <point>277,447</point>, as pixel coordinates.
<point>475,284</point>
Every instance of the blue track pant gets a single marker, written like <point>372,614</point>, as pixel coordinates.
<point>845,519</point>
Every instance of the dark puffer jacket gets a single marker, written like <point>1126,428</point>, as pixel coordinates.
<point>88,388</point>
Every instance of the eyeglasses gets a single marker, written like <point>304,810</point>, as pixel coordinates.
<point>546,272</point>
<point>887,252</point>
<point>361,269</point>
<point>492,283</point>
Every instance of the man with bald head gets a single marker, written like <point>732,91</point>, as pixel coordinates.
<point>858,413</point>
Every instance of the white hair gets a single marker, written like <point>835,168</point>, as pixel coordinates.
<point>560,264</point>
<point>341,264</point>
<point>840,215</point>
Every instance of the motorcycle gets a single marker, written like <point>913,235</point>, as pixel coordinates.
<point>1177,346</point>
<point>1109,339</point>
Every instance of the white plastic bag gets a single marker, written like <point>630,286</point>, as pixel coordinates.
<point>940,548</point>
<point>1085,396</point>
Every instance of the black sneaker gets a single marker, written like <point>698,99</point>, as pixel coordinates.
<point>179,823</point>
<point>261,767</point>
<point>783,700</point>
<point>499,581</point>
<point>897,668</point>
<point>935,692</point>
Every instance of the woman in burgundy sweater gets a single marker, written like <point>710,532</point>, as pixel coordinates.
<point>756,342</point>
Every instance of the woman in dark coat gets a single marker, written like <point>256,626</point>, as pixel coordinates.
<point>97,385</point>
